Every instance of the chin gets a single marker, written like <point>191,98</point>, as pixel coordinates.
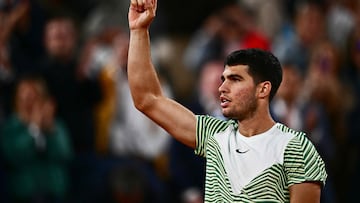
<point>229,115</point>
<point>226,114</point>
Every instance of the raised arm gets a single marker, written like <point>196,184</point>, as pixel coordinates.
<point>144,84</point>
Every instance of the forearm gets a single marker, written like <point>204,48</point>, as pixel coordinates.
<point>9,20</point>
<point>143,80</point>
<point>7,25</point>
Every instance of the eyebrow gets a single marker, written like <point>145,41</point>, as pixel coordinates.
<point>231,76</point>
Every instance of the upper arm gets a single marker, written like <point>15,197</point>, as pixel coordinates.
<point>305,170</point>
<point>308,192</point>
<point>303,163</point>
<point>177,120</point>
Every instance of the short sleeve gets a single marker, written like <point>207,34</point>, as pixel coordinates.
<point>302,162</point>
<point>206,127</point>
<point>201,138</point>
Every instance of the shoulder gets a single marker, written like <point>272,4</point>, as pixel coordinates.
<point>290,132</point>
<point>301,159</point>
<point>299,138</point>
<point>213,124</point>
<point>298,141</point>
<point>11,123</point>
<point>206,127</point>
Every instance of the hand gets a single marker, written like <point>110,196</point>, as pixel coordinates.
<point>43,114</point>
<point>48,115</point>
<point>141,13</point>
<point>36,113</point>
<point>86,58</point>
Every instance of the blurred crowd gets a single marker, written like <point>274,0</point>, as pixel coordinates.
<point>69,131</point>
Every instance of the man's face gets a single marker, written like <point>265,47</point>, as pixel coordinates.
<point>60,38</point>
<point>237,93</point>
<point>290,84</point>
<point>210,80</point>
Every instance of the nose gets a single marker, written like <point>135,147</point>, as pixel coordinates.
<point>222,87</point>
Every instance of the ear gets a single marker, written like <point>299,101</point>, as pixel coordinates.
<point>264,89</point>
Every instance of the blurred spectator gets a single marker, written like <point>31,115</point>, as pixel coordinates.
<point>353,117</point>
<point>208,87</point>
<point>270,27</point>
<point>147,146</point>
<point>288,105</point>
<point>192,195</point>
<point>293,106</point>
<point>36,147</point>
<point>104,55</point>
<point>128,184</point>
<point>6,86</point>
<point>21,34</point>
<point>76,94</point>
<point>353,80</point>
<point>20,29</point>
<point>105,15</point>
<point>317,102</point>
<point>77,10</point>
<point>325,87</point>
<point>229,28</point>
<point>135,168</point>
<point>341,19</point>
<point>127,139</point>
<point>307,29</point>
<point>183,162</point>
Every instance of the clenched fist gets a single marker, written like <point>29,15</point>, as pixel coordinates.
<point>141,13</point>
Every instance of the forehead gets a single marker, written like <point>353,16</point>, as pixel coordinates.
<point>242,70</point>
<point>59,26</point>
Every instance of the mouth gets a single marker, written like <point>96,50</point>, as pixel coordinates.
<point>224,102</point>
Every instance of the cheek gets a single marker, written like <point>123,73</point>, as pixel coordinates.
<point>244,95</point>
<point>244,91</point>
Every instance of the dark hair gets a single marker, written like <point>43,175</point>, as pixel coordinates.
<point>263,66</point>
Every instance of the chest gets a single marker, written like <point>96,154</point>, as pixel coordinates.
<point>244,159</point>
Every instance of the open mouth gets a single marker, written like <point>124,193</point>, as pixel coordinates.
<point>224,102</point>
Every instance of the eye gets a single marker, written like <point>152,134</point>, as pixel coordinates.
<point>235,78</point>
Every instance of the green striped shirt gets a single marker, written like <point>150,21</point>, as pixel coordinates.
<point>274,161</point>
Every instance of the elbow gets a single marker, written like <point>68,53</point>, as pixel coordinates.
<point>144,99</point>
<point>143,104</point>
<point>140,106</point>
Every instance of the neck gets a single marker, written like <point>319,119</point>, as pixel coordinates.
<point>259,123</point>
